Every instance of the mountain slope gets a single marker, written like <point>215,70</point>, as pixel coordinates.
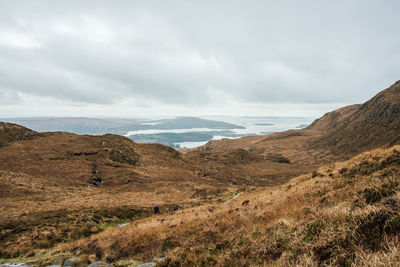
<point>338,135</point>
<point>344,214</point>
<point>333,119</point>
<point>58,187</point>
<point>373,124</point>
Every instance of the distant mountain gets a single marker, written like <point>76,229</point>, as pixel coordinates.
<point>192,122</point>
<point>98,126</point>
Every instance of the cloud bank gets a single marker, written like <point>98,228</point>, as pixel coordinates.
<point>132,57</point>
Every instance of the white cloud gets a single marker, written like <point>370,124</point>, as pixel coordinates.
<point>19,40</point>
<point>195,55</point>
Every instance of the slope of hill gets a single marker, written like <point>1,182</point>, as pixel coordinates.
<point>112,160</point>
<point>338,135</point>
<point>343,214</point>
<point>333,119</point>
<point>58,187</point>
<point>373,124</point>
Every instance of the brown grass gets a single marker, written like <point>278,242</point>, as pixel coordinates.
<point>343,213</point>
<point>54,175</point>
<point>336,136</point>
<point>347,214</point>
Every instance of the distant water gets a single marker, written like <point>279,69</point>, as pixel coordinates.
<point>259,125</point>
<point>253,126</point>
<point>191,144</point>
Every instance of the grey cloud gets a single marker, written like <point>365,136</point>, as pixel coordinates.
<point>188,52</point>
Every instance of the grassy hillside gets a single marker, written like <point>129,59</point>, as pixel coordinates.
<point>344,213</point>
<point>337,136</point>
<point>64,195</point>
<point>60,187</point>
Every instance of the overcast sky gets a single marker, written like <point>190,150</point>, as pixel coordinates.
<point>136,58</point>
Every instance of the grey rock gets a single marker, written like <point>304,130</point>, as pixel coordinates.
<point>237,195</point>
<point>53,266</point>
<point>98,264</point>
<point>16,264</point>
<point>147,264</point>
<point>123,225</point>
<point>151,264</point>
<point>69,262</point>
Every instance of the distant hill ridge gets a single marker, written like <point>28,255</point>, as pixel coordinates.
<point>357,128</point>
<point>338,135</point>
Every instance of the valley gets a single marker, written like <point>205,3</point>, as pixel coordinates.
<point>327,194</point>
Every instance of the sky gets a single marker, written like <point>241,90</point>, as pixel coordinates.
<point>185,57</point>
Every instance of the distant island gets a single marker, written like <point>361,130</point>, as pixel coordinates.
<point>264,124</point>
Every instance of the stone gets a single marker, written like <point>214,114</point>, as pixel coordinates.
<point>147,264</point>
<point>151,264</point>
<point>16,264</point>
<point>69,262</point>
<point>237,195</point>
<point>98,264</point>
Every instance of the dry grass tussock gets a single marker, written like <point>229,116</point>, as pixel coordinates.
<point>344,214</point>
